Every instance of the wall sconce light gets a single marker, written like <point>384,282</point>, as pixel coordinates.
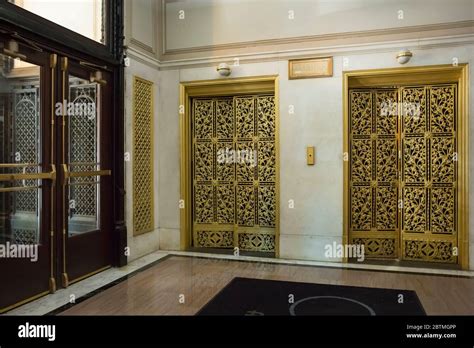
<point>224,69</point>
<point>404,56</point>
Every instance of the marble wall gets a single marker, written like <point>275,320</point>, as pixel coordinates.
<point>317,191</point>
<point>148,242</point>
<point>204,23</point>
<point>153,27</point>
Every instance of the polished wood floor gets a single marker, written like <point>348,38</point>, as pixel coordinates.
<point>159,289</point>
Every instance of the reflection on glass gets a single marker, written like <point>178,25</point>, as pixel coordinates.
<point>20,144</point>
<point>83,156</point>
<point>86,17</point>
<point>18,226</point>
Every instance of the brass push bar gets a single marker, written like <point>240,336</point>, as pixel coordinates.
<point>18,165</point>
<point>21,188</point>
<point>30,176</point>
<point>68,174</point>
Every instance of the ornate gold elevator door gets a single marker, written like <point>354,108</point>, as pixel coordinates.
<point>403,172</point>
<point>234,172</point>
<point>429,173</point>
<point>373,128</point>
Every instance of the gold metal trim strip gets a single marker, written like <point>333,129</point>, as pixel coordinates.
<point>52,280</point>
<point>64,96</point>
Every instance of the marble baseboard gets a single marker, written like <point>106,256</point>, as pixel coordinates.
<point>355,266</point>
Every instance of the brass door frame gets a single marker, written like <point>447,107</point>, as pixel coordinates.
<point>434,74</point>
<point>216,88</point>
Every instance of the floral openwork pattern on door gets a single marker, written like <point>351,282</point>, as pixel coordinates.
<point>403,172</point>
<point>234,172</point>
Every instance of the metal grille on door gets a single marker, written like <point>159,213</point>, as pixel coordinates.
<point>429,174</point>
<point>403,171</point>
<point>234,173</point>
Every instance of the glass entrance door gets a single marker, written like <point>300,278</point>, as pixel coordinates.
<point>85,156</point>
<point>55,172</point>
<point>27,173</point>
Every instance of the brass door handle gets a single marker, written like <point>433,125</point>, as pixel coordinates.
<point>68,174</point>
<point>30,176</point>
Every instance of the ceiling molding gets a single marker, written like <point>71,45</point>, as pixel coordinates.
<point>418,37</point>
<point>314,39</point>
<point>144,58</point>
<point>331,50</point>
<point>337,50</point>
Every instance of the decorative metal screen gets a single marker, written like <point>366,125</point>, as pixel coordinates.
<point>234,172</point>
<point>403,172</point>
<point>373,171</point>
<point>429,174</point>
<point>26,137</point>
<point>143,216</point>
<point>83,154</point>
<point>25,236</point>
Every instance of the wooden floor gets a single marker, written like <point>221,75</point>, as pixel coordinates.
<point>157,290</point>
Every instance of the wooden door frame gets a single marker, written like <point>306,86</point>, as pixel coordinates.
<point>215,88</point>
<point>432,74</point>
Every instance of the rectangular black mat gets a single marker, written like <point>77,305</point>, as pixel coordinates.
<point>252,297</point>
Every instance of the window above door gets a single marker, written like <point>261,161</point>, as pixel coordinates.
<point>85,17</point>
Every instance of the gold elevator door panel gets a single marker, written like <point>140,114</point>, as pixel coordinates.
<point>429,173</point>
<point>373,128</point>
<point>403,171</point>
<point>234,172</point>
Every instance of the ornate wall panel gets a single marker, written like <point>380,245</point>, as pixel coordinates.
<point>143,211</point>
<point>403,172</point>
<point>234,172</point>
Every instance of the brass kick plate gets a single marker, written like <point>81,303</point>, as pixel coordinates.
<point>310,155</point>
